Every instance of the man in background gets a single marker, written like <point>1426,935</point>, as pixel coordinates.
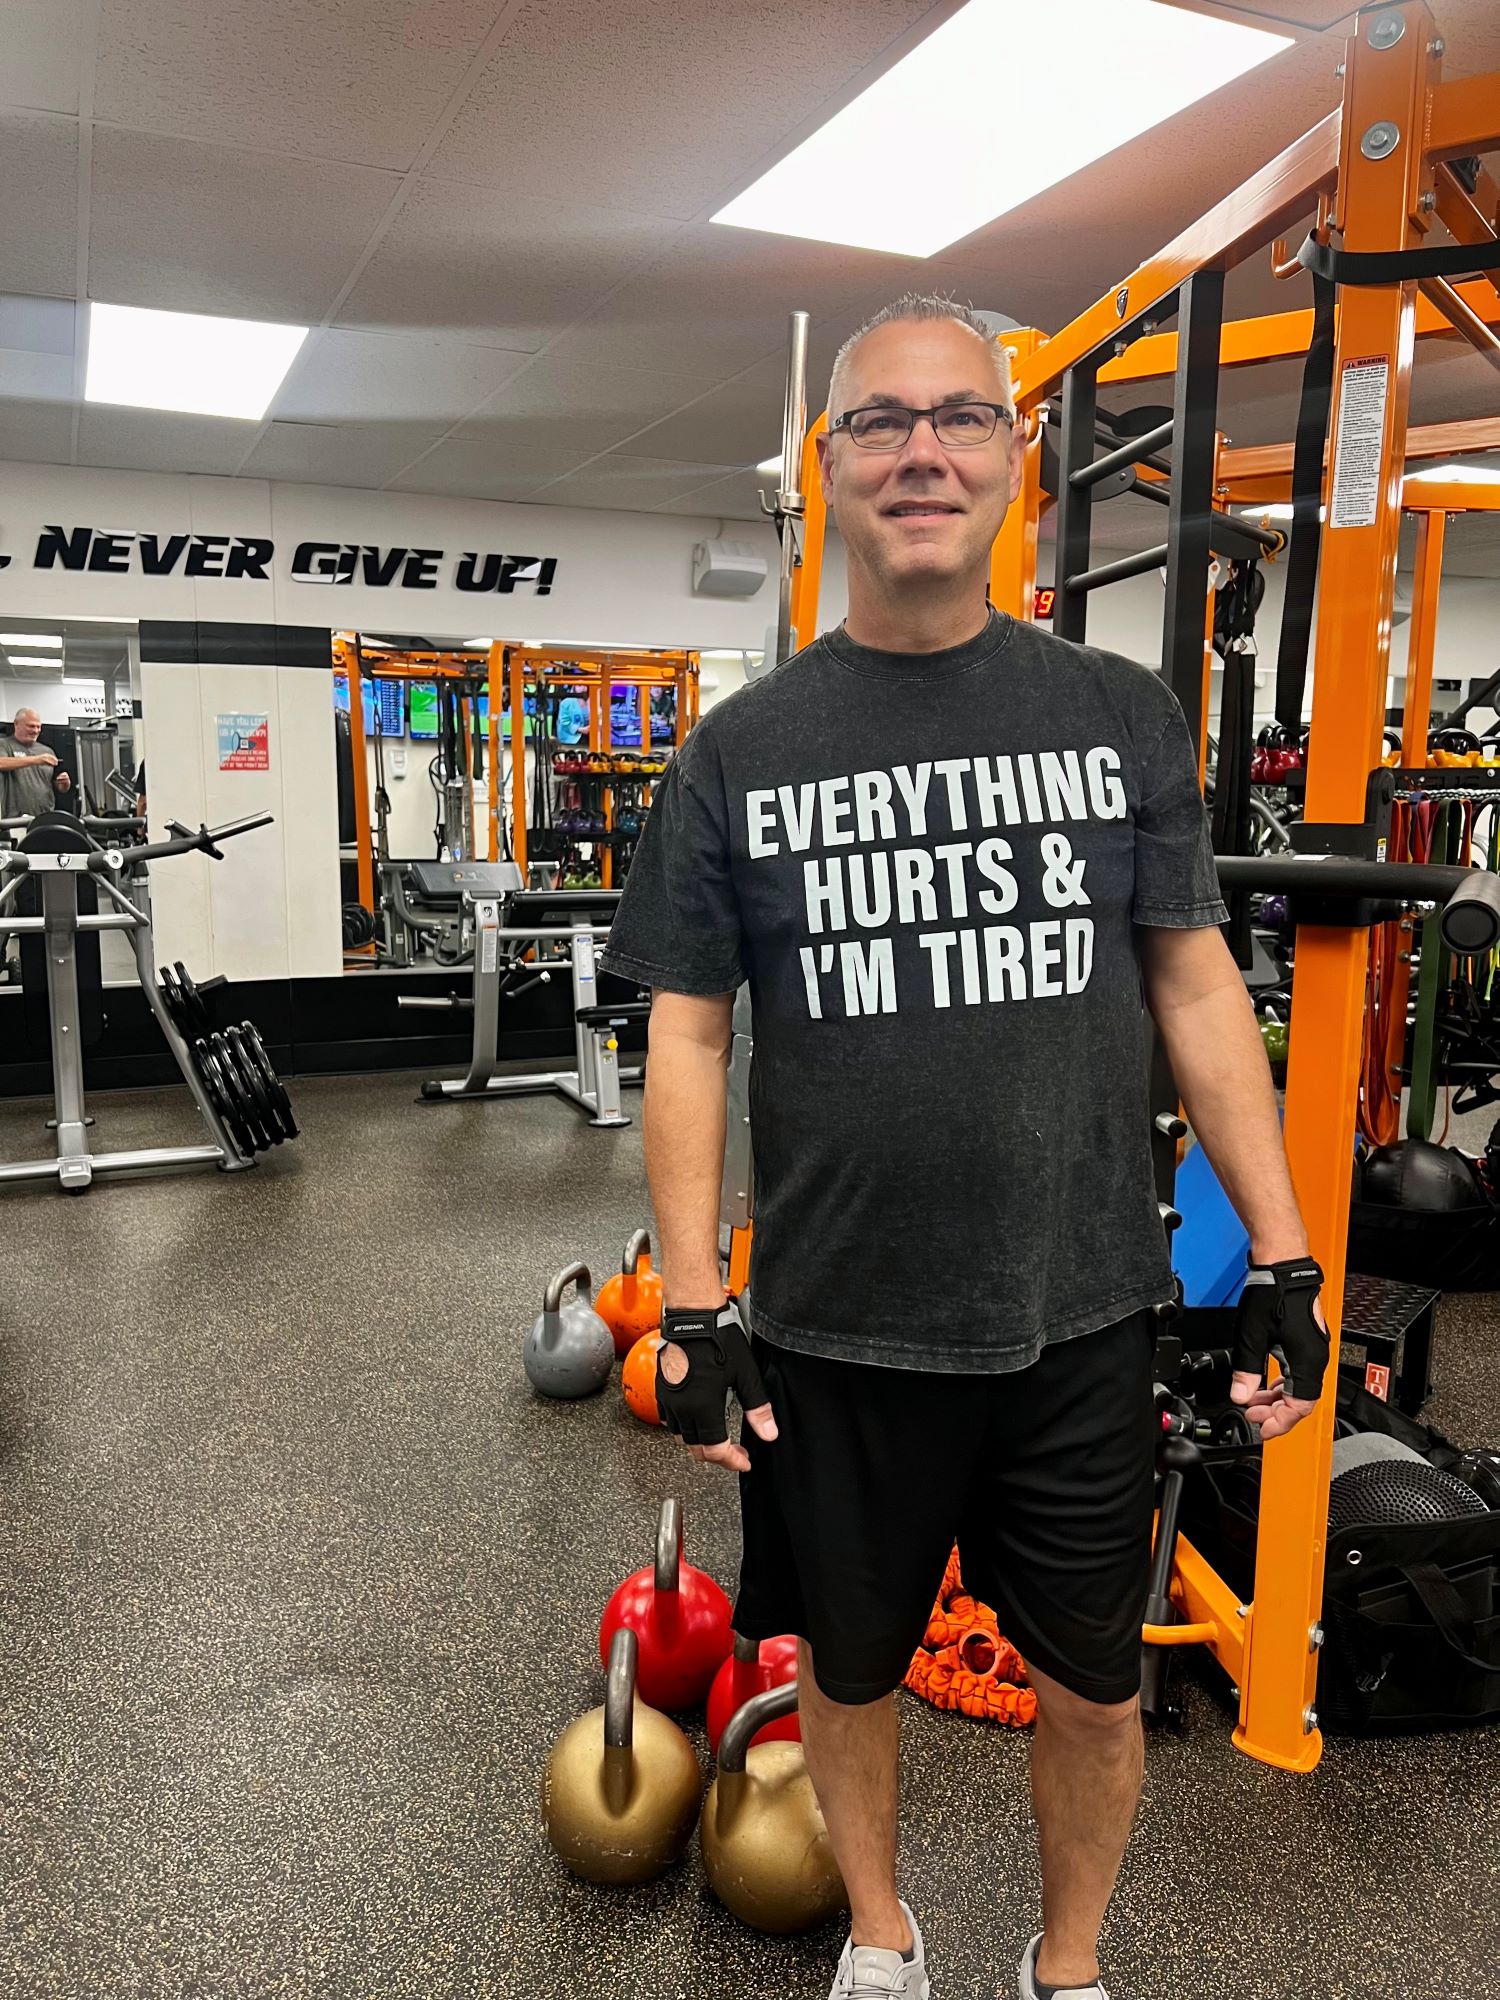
<point>31,780</point>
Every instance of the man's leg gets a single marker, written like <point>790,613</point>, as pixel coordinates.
<point>852,1754</point>
<point>1087,1760</point>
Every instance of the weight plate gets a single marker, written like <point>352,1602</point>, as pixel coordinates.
<point>211,1071</point>
<point>194,1006</point>
<point>249,1074</point>
<point>171,994</point>
<point>240,1093</point>
<point>256,1050</point>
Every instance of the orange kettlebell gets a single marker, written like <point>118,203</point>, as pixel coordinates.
<point>638,1379</point>
<point>630,1304</point>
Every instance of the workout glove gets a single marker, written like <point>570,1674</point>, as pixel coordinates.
<point>1276,1317</point>
<point>719,1359</point>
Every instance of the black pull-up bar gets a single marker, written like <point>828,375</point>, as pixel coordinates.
<point>1134,451</point>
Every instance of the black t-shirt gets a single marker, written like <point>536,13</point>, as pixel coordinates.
<point>928,867</point>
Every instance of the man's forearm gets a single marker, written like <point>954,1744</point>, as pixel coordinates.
<point>684,1122</point>
<point>1219,1062</point>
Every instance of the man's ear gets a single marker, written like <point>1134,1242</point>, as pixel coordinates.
<point>825,465</point>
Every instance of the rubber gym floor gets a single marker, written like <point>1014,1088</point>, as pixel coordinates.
<point>298,1581</point>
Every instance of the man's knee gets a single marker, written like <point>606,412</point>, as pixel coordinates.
<point>1061,1708</point>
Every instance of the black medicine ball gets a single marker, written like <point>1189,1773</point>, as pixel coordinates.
<point>1418,1176</point>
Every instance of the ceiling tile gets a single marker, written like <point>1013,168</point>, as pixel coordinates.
<point>41,53</point>
<point>669,104</point>
<point>735,498</point>
<point>35,433</point>
<point>199,228</point>
<point>737,423</point>
<point>347,454</point>
<point>470,262</point>
<point>574,409</point>
<point>341,376</point>
<point>362,81</point>
<point>38,326</point>
<point>720,297</point>
<point>39,211</point>
<point>161,440</point>
<point>621,480</point>
<point>477,470</point>
<point>43,378</point>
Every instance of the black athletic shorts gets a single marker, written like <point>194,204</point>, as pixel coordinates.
<point>1045,1478</point>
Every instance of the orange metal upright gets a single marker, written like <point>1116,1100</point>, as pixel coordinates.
<point>1421,638</point>
<point>807,580</point>
<point>1380,171</point>
<point>1013,558</point>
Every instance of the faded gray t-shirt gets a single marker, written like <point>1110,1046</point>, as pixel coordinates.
<point>928,867</point>
<point>30,789</point>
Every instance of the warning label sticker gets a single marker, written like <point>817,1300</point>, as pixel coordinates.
<point>1356,452</point>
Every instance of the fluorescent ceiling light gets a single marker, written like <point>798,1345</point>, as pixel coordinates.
<point>190,362</point>
<point>1459,473</point>
<point>767,464</point>
<point>33,660</point>
<point>1281,511</point>
<point>995,105</point>
<point>476,642</point>
<point>31,639</point>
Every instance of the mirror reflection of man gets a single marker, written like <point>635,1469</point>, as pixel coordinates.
<point>30,776</point>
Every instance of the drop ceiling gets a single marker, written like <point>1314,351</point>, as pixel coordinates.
<point>495,217</point>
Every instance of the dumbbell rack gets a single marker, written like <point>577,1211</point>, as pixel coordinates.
<point>599,804</point>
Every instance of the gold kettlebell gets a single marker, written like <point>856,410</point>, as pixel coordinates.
<point>620,1790</point>
<point>765,1845</point>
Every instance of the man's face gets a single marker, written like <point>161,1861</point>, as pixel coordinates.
<point>27,726</point>
<point>922,511</point>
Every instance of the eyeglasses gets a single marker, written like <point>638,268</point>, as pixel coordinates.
<point>887,426</point>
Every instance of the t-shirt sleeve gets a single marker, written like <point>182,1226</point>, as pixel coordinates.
<point>1176,882</point>
<point>678,923</point>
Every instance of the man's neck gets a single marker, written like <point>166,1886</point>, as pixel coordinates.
<point>925,621</point>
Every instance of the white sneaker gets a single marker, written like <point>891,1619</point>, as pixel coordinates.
<point>866,1973</point>
<point>1098,1991</point>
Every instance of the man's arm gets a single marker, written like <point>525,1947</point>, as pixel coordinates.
<point>684,1125</point>
<point>20,760</point>
<point>685,1118</point>
<point>1207,1025</point>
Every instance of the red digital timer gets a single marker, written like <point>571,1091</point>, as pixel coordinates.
<point>1045,599</point>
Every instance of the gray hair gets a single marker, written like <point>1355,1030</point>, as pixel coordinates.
<point>921,306</point>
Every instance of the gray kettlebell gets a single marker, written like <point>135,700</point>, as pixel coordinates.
<point>569,1351</point>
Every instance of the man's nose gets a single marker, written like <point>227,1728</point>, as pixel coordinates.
<point>922,447</point>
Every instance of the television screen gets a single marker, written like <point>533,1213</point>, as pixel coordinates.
<point>664,715</point>
<point>390,707</point>
<point>424,711</point>
<point>625,716</point>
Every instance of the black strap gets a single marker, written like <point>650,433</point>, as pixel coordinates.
<point>1446,1609</point>
<point>1395,267</point>
<point>1307,501</point>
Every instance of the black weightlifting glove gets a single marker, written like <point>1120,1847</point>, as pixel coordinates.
<point>719,1359</point>
<point>1276,1317</point>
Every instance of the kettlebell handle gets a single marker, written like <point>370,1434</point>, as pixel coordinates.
<point>669,1546</point>
<point>744,1724</point>
<point>619,1690</point>
<point>552,1297</point>
<point>746,1651</point>
<point>639,1242</point>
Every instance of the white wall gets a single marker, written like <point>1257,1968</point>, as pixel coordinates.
<point>621,579</point>
<point>270,908</point>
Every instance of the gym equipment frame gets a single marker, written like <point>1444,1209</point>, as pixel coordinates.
<point>1401,149</point>
<point>58,874</point>
<point>594,1085</point>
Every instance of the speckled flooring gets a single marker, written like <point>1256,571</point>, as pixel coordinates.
<point>297,1582</point>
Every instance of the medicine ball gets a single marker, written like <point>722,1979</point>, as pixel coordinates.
<point>1416,1175</point>
<point>1396,1493</point>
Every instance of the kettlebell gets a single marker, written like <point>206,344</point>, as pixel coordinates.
<point>638,1380</point>
<point>568,1352</point>
<point>630,1303</point>
<point>680,1616</point>
<point>754,1666</point>
<point>765,1845</point>
<point>620,1789</point>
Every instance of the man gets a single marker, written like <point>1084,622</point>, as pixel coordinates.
<point>951,854</point>
<point>29,775</point>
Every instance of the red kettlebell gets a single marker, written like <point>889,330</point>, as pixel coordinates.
<point>631,1303</point>
<point>753,1668</point>
<point>680,1616</point>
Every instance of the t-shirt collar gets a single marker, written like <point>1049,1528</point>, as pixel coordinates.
<point>952,660</point>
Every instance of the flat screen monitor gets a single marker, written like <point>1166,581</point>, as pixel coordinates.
<point>390,706</point>
<point>625,716</point>
<point>423,711</point>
